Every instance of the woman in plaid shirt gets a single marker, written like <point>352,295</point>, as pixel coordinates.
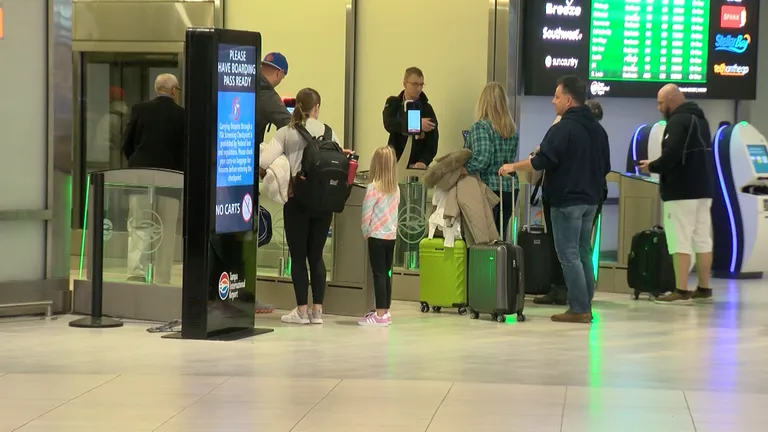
<point>493,140</point>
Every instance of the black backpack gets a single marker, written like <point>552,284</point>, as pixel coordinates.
<point>322,183</point>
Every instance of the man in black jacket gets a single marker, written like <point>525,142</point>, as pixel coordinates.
<point>270,108</point>
<point>686,186</point>
<point>576,156</point>
<point>424,146</point>
<point>154,138</point>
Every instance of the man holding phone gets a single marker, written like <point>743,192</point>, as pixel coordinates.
<point>409,114</point>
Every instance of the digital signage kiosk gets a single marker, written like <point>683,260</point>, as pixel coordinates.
<point>220,185</point>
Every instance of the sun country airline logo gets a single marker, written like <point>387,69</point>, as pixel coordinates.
<point>224,286</point>
<point>561,62</point>
<point>735,44</point>
<point>733,17</point>
<point>566,10</point>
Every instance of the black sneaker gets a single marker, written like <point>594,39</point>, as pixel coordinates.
<point>556,296</point>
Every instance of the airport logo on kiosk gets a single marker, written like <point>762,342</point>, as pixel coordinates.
<point>733,16</point>
<point>246,210</point>
<point>224,286</point>
<point>735,44</point>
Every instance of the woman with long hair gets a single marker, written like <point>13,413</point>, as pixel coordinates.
<point>306,230</point>
<point>493,140</point>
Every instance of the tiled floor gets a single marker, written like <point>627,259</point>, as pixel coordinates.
<point>641,367</point>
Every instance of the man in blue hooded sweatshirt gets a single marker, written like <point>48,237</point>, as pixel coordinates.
<point>576,156</point>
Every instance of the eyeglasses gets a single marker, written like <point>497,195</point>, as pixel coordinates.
<point>416,84</point>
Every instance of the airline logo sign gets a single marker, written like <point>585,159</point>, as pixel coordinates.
<point>565,10</point>
<point>733,17</point>
<point>735,44</point>
<point>734,70</point>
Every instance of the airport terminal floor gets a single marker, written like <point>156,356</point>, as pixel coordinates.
<point>639,367</point>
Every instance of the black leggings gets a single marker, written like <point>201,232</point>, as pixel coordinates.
<point>381,252</point>
<point>306,233</point>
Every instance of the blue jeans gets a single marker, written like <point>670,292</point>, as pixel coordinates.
<point>572,231</point>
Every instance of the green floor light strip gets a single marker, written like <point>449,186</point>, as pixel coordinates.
<point>596,247</point>
<point>85,225</point>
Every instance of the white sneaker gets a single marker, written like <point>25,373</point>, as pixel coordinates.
<point>295,317</point>
<point>316,317</point>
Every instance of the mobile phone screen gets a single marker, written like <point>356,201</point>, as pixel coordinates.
<point>414,121</point>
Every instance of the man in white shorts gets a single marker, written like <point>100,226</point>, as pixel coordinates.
<point>686,187</point>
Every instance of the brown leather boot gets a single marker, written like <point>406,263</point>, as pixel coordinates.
<point>570,317</point>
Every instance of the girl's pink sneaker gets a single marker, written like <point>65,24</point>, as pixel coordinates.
<point>372,320</point>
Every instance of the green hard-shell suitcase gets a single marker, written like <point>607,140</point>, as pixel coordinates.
<point>442,275</point>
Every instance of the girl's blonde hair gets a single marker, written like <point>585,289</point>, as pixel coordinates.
<point>494,107</point>
<point>383,171</point>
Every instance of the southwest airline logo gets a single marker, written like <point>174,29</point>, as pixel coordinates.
<point>733,16</point>
<point>224,286</point>
<point>735,44</point>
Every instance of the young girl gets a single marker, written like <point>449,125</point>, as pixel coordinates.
<point>379,226</point>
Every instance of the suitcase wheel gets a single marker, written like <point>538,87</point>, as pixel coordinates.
<point>424,307</point>
<point>474,315</point>
<point>636,295</point>
<point>501,318</point>
<point>436,309</point>
<point>462,310</point>
<point>521,317</point>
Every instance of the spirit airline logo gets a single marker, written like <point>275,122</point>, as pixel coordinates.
<point>733,17</point>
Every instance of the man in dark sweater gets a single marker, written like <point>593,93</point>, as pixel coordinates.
<point>424,145</point>
<point>686,186</point>
<point>576,156</point>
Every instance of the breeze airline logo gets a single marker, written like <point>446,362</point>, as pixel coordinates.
<point>733,17</point>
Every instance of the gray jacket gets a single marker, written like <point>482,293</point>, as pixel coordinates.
<point>269,109</point>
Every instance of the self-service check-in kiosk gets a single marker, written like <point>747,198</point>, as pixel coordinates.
<point>740,206</point>
<point>646,144</point>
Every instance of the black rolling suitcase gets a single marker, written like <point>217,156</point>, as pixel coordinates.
<point>495,279</point>
<point>649,266</point>
<point>537,244</point>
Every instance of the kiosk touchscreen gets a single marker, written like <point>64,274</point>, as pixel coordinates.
<point>645,144</point>
<point>220,185</point>
<point>740,207</point>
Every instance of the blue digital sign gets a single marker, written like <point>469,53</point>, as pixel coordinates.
<point>235,138</point>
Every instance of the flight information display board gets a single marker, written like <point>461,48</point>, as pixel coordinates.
<point>631,48</point>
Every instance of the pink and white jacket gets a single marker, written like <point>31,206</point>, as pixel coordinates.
<point>380,214</point>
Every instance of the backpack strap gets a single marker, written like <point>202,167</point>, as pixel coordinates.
<point>305,133</point>
<point>328,134</point>
<point>534,195</point>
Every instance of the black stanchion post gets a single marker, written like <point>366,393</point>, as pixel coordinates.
<point>96,260</point>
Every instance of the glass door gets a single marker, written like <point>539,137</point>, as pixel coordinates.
<point>110,84</point>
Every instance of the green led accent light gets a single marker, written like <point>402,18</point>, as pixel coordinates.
<point>85,223</point>
<point>596,247</point>
<point>743,123</point>
<point>390,273</point>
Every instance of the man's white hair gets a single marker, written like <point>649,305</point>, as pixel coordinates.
<point>164,83</point>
